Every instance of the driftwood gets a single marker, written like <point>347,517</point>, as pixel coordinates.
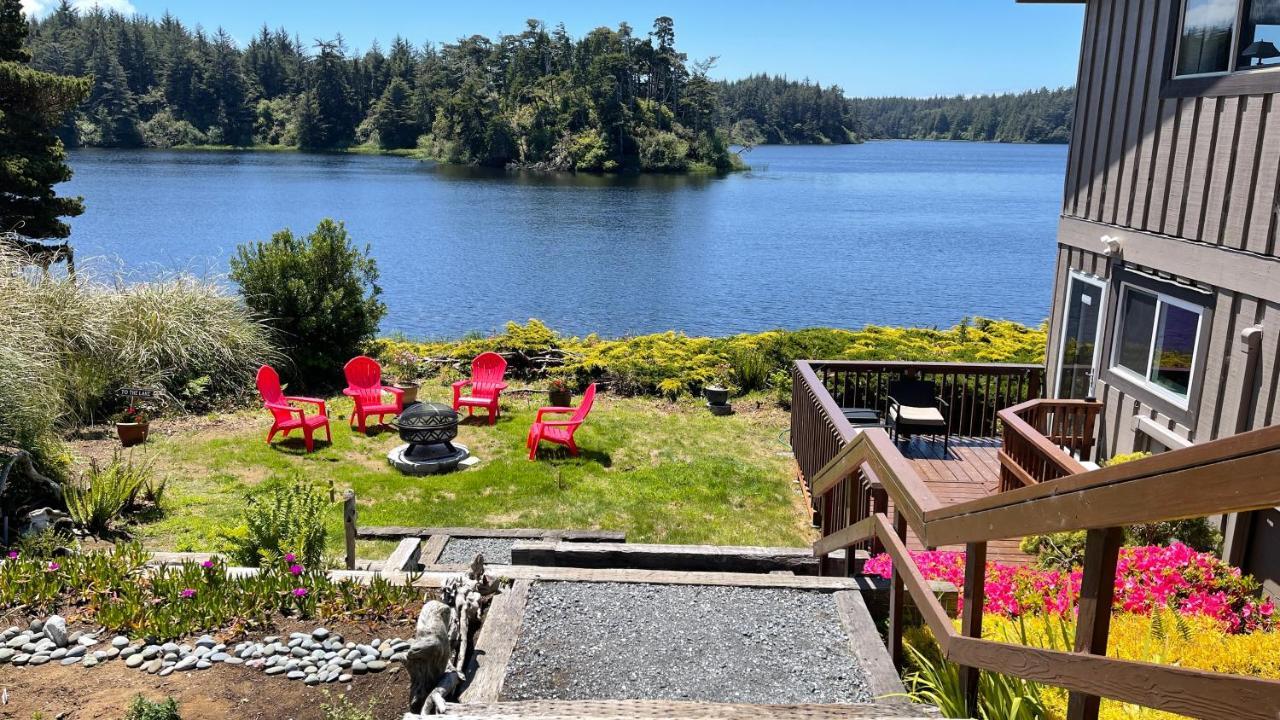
<point>442,640</point>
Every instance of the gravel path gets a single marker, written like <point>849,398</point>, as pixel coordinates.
<point>460,551</point>
<point>597,641</point>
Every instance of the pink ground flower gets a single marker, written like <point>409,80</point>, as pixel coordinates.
<point>187,594</point>
<point>13,555</point>
<point>290,557</point>
<point>207,564</point>
<point>53,567</point>
<point>295,569</point>
<point>300,592</point>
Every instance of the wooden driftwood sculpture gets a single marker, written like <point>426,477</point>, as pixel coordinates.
<point>438,652</point>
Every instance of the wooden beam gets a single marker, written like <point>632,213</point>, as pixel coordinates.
<point>896,599</point>
<point>433,549</point>
<point>496,642</point>
<point>864,529</point>
<point>690,558</point>
<point>866,645</point>
<point>975,574</point>
<point>405,557</point>
<point>1093,621</point>
<point>398,532</point>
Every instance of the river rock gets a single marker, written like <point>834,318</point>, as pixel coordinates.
<point>55,628</point>
<point>119,642</point>
<point>133,661</point>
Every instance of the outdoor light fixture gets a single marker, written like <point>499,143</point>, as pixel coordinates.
<point>1260,50</point>
<point>1113,247</point>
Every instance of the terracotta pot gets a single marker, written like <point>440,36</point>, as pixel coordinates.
<point>132,433</point>
<point>410,392</point>
<point>560,398</point>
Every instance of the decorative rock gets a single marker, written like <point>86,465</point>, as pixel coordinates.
<point>108,654</point>
<point>233,661</point>
<point>68,661</point>
<point>21,659</point>
<point>90,661</point>
<point>58,654</point>
<point>359,668</point>
<point>204,665</point>
<point>55,628</point>
<point>311,680</point>
<point>276,670</point>
<point>150,651</point>
<point>386,651</point>
<point>74,637</point>
<point>36,626</point>
<point>219,657</point>
<point>119,642</point>
<point>377,665</point>
<point>166,671</point>
<point>17,641</point>
<point>153,666</point>
<point>299,652</point>
<point>271,639</point>
<point>345,677</point>
<point>77,651</point>
<point>38,659</point>
<point>87,640</point>
<point>320,633</point>
<point>296,675</point>
<point>133,661</point>
<point>399,657</point>
<point>186,662</point>
<point>206,641</point>
<point>169,647</point>
<point>7,654</point>
<point>45,645</point>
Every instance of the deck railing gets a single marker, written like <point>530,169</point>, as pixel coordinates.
<point>975,392</point>
<point>1035,434</point>
<point>1234,474</point>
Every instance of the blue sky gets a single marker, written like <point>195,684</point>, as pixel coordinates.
<point>889,47</point>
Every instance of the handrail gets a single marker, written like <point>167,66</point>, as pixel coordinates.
<point>1232,474</point>
<point>1031,451</point>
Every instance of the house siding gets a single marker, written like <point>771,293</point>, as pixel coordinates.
<point>1191,187</point>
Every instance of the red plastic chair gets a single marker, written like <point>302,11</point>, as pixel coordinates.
<point>287,417</point>
<point>560,432</point>
<point>487,372</point>
<point>364,385</point>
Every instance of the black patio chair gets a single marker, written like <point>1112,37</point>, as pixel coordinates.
<point>916,408</point>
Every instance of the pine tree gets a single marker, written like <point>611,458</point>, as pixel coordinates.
<point>32,159</point>
<point>394,117</point>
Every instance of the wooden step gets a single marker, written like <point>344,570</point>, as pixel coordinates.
<point>662,709</point>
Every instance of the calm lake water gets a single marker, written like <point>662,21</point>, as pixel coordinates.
<point>902,233</point>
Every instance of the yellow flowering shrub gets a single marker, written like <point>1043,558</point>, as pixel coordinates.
<point>673,363</point>
<point>1164,637</point>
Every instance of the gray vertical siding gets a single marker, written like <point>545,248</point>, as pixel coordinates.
<point>1204,169</point>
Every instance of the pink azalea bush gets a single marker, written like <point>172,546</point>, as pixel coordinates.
<point>1147,577</point>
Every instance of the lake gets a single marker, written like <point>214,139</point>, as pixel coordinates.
<point>897,233</point>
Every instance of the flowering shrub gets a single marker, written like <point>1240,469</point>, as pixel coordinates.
<point>1148,578</point>
<point>115,589</point>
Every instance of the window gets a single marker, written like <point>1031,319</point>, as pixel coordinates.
<point>1156,340</point>
<point>1223,36</point>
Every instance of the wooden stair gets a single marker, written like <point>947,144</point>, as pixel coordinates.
<point>674,709</point>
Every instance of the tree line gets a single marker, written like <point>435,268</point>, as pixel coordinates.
<point>612,100</point>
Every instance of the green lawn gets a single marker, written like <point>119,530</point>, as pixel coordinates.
<point>659,471</point>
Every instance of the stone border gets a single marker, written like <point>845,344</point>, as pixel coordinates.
<point>487,668</point>
<point>882,677</point>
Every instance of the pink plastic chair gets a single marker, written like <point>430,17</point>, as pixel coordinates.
<point>364,385</point>
<point>560,432</point>
<point>487,372</point>
<point>288,418</point>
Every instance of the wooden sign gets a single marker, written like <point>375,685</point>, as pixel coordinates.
<point>140,393</point>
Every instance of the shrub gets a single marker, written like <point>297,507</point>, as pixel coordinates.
<point>143,709</point>
<point>98,497</point>
<point>46,543</point>
<point>1147,579</point>
<point>69,344</point>
<point>280,521</point>
<point>750,369</point>
<point>319,292</point>
<point>781,383</point>
<point>1063,551</point>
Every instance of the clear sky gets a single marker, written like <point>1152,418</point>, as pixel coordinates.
<point>885,47</point>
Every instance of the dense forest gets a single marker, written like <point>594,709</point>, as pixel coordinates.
<point>612,100</point>
<point>1039,116</point>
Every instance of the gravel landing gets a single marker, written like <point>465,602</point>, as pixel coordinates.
<point>461,551</point>
<point>609,641</point>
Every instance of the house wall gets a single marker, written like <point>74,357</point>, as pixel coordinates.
<point>1191,187</point>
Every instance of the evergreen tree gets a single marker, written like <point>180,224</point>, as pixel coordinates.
<point>394,118</point>
<point>32,159</point>
<point>227,84</point>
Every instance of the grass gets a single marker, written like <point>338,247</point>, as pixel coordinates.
<point>660,471</point>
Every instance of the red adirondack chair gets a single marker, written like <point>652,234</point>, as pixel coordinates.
<point>560,432</point>
<point>364,385</point>
<point>487,371</point>
<point>287,417</point>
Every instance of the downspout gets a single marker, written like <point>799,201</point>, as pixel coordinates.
<point>1236,530</point>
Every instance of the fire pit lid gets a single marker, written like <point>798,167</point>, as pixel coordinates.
<point>426,415</point>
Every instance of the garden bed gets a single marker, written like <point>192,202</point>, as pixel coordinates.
<point>597,641</point>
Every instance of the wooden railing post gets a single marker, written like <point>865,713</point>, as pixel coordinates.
<point>975,597</point>
<point>349,526</point>
<point>1093,622</point>
<point>896,599</point>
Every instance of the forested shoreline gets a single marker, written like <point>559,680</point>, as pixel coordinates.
<point>612,100</point>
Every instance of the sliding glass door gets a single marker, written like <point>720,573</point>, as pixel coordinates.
<point>1082,325</point>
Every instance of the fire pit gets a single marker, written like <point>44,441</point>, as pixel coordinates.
<point>428,430</point>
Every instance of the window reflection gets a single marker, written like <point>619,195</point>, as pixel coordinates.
<point>1175,348</point>
<point>1259,34</point>
<point>1205,44</point>
<point>1138,315</point>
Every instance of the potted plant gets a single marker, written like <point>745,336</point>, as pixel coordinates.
<point>559,392</point>
<point>404,367</point>
<point>132,426</point>
<point>717,390</point>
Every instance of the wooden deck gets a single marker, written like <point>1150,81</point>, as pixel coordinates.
<point>970,470</point>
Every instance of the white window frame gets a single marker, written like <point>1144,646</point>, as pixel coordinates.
<point>1072,277</point>
<point>1182,402</point>
<point>1235,48</point>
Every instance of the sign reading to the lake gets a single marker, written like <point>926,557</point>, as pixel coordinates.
<point>140,393</point>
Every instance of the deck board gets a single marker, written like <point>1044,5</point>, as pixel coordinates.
<point>970,470</point>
